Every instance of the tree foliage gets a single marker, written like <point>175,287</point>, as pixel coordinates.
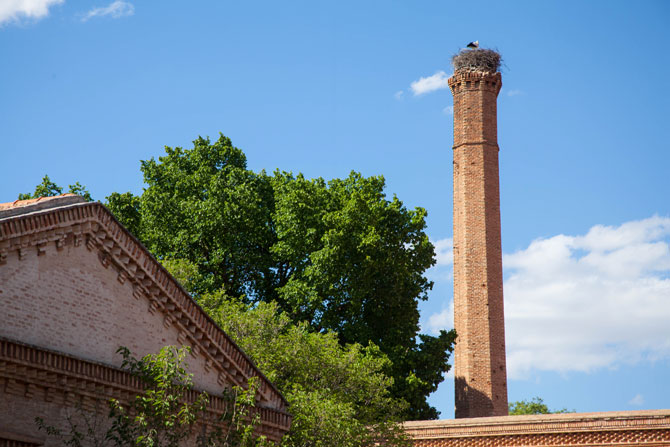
<point>534,406</point>
<point>161,416</point>
<point>338,255</point>
<point>49,189</point>
<point>338,395</point>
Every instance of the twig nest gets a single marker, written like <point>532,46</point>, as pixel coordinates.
<point>480,59</point>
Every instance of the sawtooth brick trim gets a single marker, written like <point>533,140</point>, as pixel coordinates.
<point>7,440</point>
<point>49,230</point>
<point>37,373</point>
<point>118,248</point>
<point>626,428</point>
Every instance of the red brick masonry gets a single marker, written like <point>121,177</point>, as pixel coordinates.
<point>479,357</point>
<point>74,286</point>
<point>625,428</point>
<point>37,382</point>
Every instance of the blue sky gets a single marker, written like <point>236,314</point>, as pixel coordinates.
<point>87,89</point>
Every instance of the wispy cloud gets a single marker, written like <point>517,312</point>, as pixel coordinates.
<point>398,95</point>
<point>449,110</point>
<point>429,84</point>
<point>637,400</point>
<point>440,320</point>
<point>443,270</point>
<point>444,252</point>
<point>15,10</point>
<point>116,10</point>
<point>441,273</point>
<point>581,303</point>
<point>514,92</point>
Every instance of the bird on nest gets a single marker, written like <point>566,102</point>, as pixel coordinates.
<point>473,45</point>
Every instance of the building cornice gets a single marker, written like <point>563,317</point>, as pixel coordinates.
<point>568,429</point>
<point>37,373</point>
<point>94,226</point>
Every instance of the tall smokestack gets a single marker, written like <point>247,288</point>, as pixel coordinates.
<point>480,369</point>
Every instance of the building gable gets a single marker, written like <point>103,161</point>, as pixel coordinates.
<point>74,281</point>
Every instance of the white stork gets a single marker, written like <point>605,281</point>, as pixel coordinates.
<point>474,44</point>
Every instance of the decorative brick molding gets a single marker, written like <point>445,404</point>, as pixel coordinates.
<point>479,354</point>
<point>8,439</point>
<point>41,230</point>
<point>5,442</point>
<point>36,373</point>
<point>627,428</point>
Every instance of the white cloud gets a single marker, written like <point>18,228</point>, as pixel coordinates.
<point>637,400</point>
<point>441,273</point>
<point>580,303</point>
<point>398,94</point>
<point>116,10</point>
<point>514,92</point>
<point>429,84</point>
<point>441,320</point>
<point>449,110</point>
<point>12,10</point>
<point>444,251</point>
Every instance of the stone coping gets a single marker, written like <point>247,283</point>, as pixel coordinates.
<point>17,207</point>
<point>545,423</point>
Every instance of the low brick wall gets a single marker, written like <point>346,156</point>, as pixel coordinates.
<point>625,428</point>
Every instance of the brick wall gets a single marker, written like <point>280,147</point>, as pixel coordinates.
<point>479,357</point>
<point>628,428</point>
<point>52,385</point>
<point>74,286</point>
<point>67,300</point>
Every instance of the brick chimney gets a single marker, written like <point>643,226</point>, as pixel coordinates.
<point>480,369</point>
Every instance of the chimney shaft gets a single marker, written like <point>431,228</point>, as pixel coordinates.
<point>480,367</point>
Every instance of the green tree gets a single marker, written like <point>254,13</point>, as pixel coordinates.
<point>534,406</point>
<point>126,206</point>
<point>338,255</point>
<point>354,264</point>
<point>49,189</point>
<point>161,416</point>
<point>338,395</point>
<point>203,205</point>
<point>80,190</point>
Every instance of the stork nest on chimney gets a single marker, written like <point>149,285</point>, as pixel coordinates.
<point>479,59</point>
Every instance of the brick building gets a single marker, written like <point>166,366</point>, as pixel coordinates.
<point>479,363</point>
<point>74,286</point>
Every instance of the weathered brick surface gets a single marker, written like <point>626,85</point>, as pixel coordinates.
<point>23,412</point>
<point>36,382</point>
<point>479,357</point>
<point>66,300</point>
<point>631,428</point>
<point>74,286</point>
